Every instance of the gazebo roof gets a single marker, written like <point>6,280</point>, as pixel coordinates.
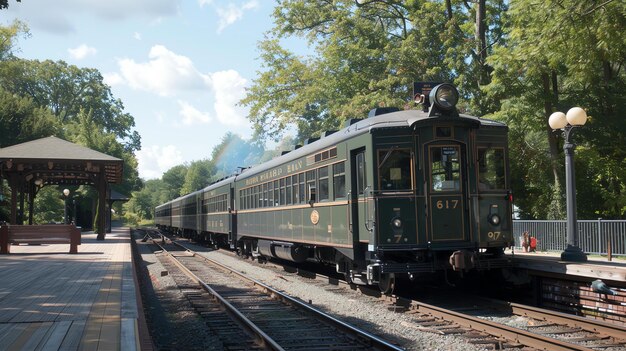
<point>57,161</point>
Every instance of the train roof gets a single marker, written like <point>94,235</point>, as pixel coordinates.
<point>406,118</point>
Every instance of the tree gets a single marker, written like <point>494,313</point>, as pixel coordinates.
<point>66,90</point>
<point>8,38</point>
<point>539,71</point>
<point>174,179</point>
<point>22,120</point>
<point>368,54</point>
<point>198,176</point>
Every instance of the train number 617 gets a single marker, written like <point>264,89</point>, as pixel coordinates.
<point>447,204</point>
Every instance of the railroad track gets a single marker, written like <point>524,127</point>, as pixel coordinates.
<point>247,314</point>
<point>544,329</point>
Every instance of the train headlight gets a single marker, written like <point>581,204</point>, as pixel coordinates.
<point>444,96</point>
<point>396,223</point>
<point>494,219</point>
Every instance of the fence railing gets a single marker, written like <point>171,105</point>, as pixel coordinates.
<point>594,236</point>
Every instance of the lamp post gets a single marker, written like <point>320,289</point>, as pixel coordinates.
<point>66,193</point>
<point>575,117</point>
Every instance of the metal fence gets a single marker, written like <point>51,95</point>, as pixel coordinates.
<point>594,236</point>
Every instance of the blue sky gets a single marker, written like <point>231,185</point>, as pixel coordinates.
<point>179,66</point>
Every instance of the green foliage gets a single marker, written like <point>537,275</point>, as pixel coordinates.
<point>561,54</point>
<point>49,206</point>
<point>142,202</point>
<point>8,37</point>
<point>22,120</point>
<point>198,176</point>
<point>174,180</point>
<point>66,91</point>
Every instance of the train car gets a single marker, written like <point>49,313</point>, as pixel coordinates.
<point>400,193</point>
<point>217,213</point>
<point>163,215</point>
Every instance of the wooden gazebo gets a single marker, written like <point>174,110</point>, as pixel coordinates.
<point>53,161</point>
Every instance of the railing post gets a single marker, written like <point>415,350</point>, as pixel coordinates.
<point>600,252</point>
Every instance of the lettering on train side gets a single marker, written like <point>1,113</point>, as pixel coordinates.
<point>294,167</point>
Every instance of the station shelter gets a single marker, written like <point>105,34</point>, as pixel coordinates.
<point>53,161</point>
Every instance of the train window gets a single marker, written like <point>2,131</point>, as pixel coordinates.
<point>288,197</point>
<point>394,169</point>
<point>270,194</point>
<point>249,198</point>
<point>310,183</point>
<point>264,204</point>
<point>294,182</point>
<point>301,193</point>
<point>339,180</point>
<point>323,183</point>
<point>276,193</point>
<point>491,171</point>
<point>443,132</point>
<point>282,191</point>
<point>445,168</point>
<point>360,175</point>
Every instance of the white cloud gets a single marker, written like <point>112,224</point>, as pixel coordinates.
<point>82,51</point>
<point>137,35</point>
<point>112,79</point>
<point>191,115</point>
<point>153,161</point>
<point>203,3</point>
<point>164,73</point>
<point>59,18</point>
<point>229,89</point>
<point>232,13</point>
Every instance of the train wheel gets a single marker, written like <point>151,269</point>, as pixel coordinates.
<point>387,283</point>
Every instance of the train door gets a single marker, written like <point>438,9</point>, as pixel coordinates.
<point>358,202</point>
<point>446,189</point>
<point>232,217</point>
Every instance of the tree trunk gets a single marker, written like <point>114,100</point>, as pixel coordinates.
<point>557,208</point>
<point>481,42</point>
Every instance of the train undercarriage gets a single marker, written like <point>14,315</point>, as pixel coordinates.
<point>382,269</point>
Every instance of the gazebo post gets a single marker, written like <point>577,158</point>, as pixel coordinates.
<point>102,191</point>
<point>21,213</point>
<point>31,203</point>
<point>13,187</point>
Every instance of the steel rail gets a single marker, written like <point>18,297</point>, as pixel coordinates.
<point>264,339</point>
<point>374,340</point>
<point>591,325</point>
<point>510,333</point>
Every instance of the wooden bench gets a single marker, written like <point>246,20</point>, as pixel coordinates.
<point>39,234</point>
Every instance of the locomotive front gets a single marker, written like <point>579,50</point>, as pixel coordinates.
<point>441,198</point>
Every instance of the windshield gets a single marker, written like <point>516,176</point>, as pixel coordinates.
<point>394,170</point>
<point>491,169</point>
<point>445,168</point>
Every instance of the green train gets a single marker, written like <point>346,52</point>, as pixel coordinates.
<point>399,193</point>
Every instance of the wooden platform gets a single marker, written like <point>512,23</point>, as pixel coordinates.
<point>51,300</point>
<point>551,264</point>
